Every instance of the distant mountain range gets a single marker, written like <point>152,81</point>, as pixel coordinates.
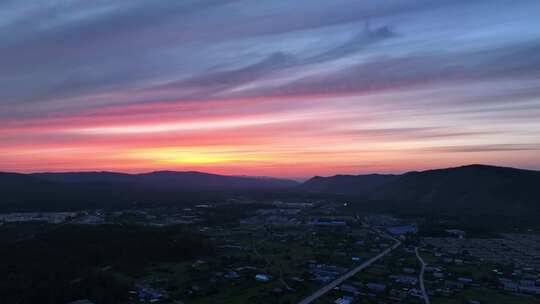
<point>465,185</point>
<point>461,185</point>
<point>187,180</point>
<point>80,190</point>
<point>472,186</point>
<point>361,185</point>
<point>477,198</point>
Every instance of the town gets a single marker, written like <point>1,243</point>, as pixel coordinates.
<point>315,251</point>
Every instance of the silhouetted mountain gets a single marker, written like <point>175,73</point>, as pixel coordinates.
<point>361,185</point>
<point>81,190</point>
<point>19,191</point>
<point>472,184</point>
<point>198,180</point>
<point>475,197</point>
<point>190,180</point>
<point>85,177</point>
<point>17,179</point>
<point>463,186</point>
<point>474,189</point>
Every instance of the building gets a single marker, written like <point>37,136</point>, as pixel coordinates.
<point>403,229</point>
<point>262,277</point>
<point>344,300</point>
<point>406,280</point>
<point>534,290</point>
<point>328,222</point>
<point>409,270</point>
<point>378,287</point>
<point>348,288</point>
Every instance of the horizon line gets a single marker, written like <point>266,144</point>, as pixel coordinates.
<point>303,178</point>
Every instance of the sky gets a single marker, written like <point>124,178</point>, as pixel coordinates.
<point>268,87</point>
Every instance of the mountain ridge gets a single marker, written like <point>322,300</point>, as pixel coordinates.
<point>464,185</point>
<point>468,187</point>
<point>166,178</point>
<point>346,184</point>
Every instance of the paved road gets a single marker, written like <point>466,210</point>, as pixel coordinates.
<point>347,275</point>
<point>421,278</point>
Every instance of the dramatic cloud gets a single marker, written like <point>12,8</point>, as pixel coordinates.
<point>289,88</point>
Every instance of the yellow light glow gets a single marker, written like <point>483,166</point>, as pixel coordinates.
<point>194,155</point>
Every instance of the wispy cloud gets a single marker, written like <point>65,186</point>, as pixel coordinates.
<point>349,85</point>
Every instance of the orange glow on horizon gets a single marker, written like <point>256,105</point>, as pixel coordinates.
<point>289,137</point>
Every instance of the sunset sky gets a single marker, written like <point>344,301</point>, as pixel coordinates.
<point>275,88</point>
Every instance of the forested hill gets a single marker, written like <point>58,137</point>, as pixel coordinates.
<point>82,190</point>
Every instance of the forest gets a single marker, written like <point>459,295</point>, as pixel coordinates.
<point>88,262</point>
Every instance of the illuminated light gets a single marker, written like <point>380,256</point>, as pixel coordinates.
<point>194,155</point>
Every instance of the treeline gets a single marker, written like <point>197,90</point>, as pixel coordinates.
<point>47,197</point>
<point>483,219</point>
<point>43,197</point>
<point>89,262</point>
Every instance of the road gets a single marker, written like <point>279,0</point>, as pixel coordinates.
<point>268,264</point>
<point>319,293</point>
<point>421,277</point>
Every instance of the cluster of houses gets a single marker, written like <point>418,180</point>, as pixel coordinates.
<point>274,216</point>
<point>325,273</point>
<point>157,217</point>
<point>323,221</point>
<point>395,288</point>
<point>518,271</point>
<point>520,250</point>
<point>336,245</point>
<point>441,282</point>
<point>392,280</point>
<point>146,293</point>
<point>523,286</point>
<point>49,217</point>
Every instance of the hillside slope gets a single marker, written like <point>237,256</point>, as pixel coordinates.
<point>360,185</point>
<point>84,190</point>
<point>187,180</point>
<point>473,184</point>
